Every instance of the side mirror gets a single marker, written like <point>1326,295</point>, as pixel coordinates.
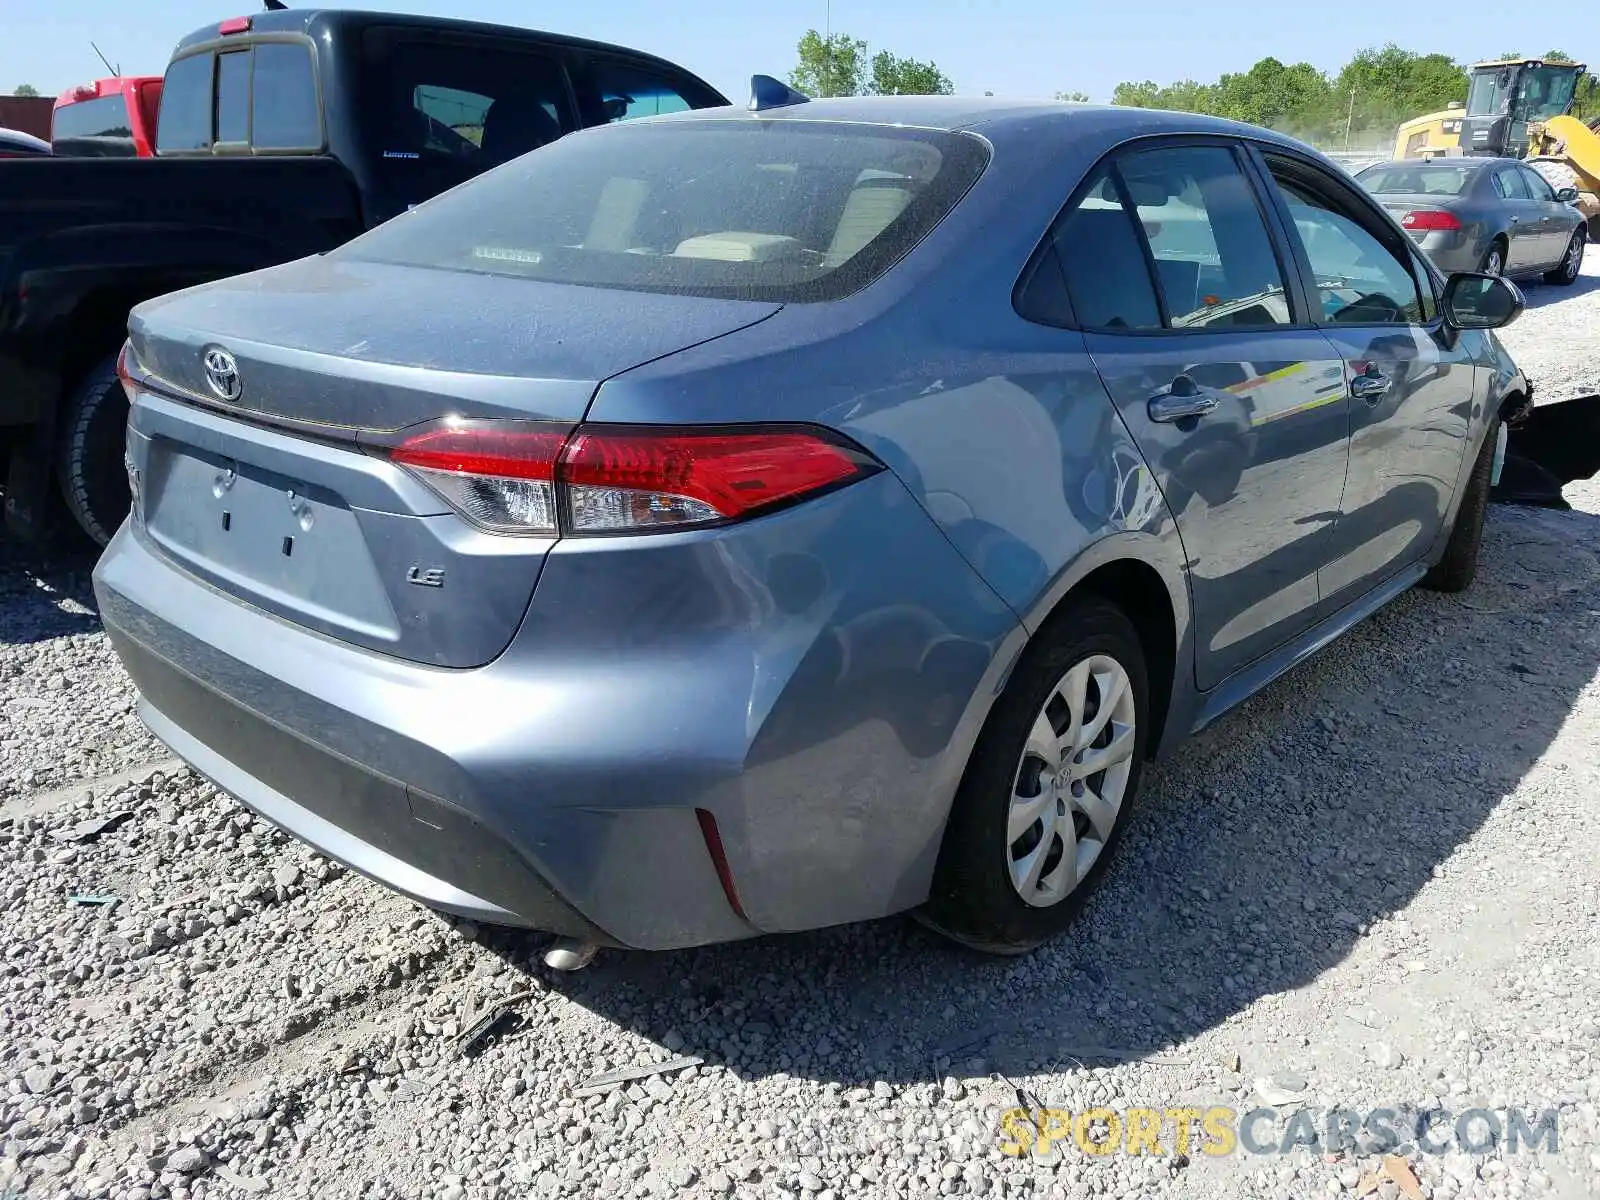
<point>1474,301</point>
<point>1567,195</point>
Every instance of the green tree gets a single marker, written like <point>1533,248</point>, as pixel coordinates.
<point>830,66</point>
<point>895,76</point>
<point>25,89</point>
<point>1073,97</point>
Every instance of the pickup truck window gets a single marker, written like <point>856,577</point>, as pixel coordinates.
<point>284,114</point>
<point>233,97</point>
<point>185,119</point>
<point>93,127</point>
<point>629,92</point>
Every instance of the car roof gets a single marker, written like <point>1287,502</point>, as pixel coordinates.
<point>1471,162</point>
<point>994,116</point>
<point>349,21</point>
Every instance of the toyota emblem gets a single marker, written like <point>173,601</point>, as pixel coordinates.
<point>222,373</point>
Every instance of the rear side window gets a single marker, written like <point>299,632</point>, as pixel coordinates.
<point>284,110</point>
<point>233,97</point>
<point>792,211</point>
<point>1508,182</point>
<point>1097,244</point>
<point>471,105</point>
<point>1186,216</point>
<point>185,119</point>
<point>93,127</point>
<point>1208,239</point>
<point>627,92</point>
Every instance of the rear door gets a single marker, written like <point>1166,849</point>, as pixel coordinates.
<point>1412,384</point>
<point>1526,233</point>
<point>1236,403</point>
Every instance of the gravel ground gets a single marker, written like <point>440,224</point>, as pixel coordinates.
<point>1377,885</point>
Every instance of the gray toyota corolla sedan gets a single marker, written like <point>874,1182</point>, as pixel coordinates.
<point>1483,214</point>
<point>746,521</point>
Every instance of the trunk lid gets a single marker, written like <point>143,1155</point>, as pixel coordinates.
<point>268,495</point>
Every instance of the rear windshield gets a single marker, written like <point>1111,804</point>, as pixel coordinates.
<point>1431,181</point>
<point>779,211</point>
<point>93,127</point>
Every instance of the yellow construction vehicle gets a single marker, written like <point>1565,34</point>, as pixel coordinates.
<point>1567,153</point>
<point>1430,135</point>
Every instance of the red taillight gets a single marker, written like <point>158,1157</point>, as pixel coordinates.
<point>234,25</point>
<point>616,480</point>
<point>514,478</point>
<point>124,375</point>
<point>1431,220</point>
<point>498,475</point>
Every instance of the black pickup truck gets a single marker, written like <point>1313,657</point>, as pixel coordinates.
<point>279,136</point>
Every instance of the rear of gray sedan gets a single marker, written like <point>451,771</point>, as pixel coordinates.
<point>1447,206</point>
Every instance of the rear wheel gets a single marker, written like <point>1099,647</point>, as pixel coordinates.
<point>1047,794</point>
<point>94,481</point>
<point>1494,258</point>
<point>1566,271</point>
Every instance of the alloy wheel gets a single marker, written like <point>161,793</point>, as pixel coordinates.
<point>1574,262</point>
<point>1071,782</point>
<point>1493,264</point>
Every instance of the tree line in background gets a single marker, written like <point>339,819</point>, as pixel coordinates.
<point>1362,103</point>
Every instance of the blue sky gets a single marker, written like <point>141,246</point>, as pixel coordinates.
<point>1010,47</point>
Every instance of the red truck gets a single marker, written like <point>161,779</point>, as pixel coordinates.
<point>109,118</point>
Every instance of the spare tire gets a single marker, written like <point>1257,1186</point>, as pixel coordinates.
<point>93,443</point>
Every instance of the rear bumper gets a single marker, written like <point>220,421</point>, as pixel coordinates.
<point>1452,251</point>
<point>814,680</point>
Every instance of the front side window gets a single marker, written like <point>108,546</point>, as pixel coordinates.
<point>793,211</point>
<point>1538,187</point>
<point>184,123</point>
<point>1356,279</point>
<point>233,97</point>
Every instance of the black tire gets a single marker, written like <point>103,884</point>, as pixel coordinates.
<point>973,900</point>
<point>94,481</point>
<point>1566,271</point>
<point>1459,566</point>
<point>1496,247</point>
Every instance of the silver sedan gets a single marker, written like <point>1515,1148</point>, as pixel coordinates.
<point>1483,214</point>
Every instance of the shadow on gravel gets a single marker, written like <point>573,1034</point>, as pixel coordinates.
<point>1259,852</point>
<point>1541,295</point>
<point>45,594</point>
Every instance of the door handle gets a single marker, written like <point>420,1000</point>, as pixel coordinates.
<point>1180,400</point>
<point>1371,386</point>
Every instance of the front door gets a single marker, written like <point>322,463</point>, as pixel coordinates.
<point>1410,381</point>
<point>1555,225</point>
<point>1241,415</point>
